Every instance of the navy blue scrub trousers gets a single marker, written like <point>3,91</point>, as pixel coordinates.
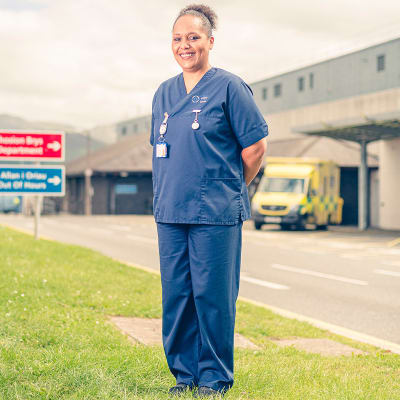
<point>200,272</point>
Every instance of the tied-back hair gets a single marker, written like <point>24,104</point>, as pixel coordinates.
<point>205,13</point>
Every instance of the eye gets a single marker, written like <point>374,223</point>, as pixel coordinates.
<point>176,39</point>
<point>194,37</point>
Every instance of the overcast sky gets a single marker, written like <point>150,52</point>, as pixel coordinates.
<point>93,62</point>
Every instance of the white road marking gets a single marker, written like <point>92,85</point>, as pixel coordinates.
<point>387,252</point>
<point>141,239</point>
<point>319,274</point>
<point>391,263</point>
<point>289,247</point>
<point>386,272</point>
<point>346,245</point>
<point>267,284</point>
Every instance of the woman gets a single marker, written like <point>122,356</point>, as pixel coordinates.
<point>209,141</point>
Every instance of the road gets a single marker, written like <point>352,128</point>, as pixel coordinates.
<point>346,279</point>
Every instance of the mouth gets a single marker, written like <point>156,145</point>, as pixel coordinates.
<point>186,56</point>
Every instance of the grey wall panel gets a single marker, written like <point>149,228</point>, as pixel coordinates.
<point>346,76</point>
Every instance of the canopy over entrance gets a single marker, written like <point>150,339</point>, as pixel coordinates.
<point>361,130</point>
<point>369,128</point>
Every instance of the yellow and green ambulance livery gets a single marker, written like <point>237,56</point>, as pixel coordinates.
<point>294,192</point>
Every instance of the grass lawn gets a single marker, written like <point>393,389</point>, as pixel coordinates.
<point>56,342</point>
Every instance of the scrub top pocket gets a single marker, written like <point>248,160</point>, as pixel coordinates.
<point>220,200</point>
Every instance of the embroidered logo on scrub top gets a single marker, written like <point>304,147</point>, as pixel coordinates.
<point>201,99</point>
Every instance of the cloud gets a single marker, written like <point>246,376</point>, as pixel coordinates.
<point>87,62</point>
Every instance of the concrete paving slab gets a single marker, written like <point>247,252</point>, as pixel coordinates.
<point>148,331</point>
<point>325,347</point>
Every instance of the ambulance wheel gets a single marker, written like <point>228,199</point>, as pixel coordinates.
<point>321,227</point>
<point>301,226</point>
<point>258,225</point>
<point>285,227</point>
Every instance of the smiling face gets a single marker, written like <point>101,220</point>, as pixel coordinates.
<point>190,44</point>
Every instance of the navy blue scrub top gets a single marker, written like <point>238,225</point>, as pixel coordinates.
<point>202,181</point>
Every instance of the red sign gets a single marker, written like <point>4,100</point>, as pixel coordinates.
<point>25,145</point>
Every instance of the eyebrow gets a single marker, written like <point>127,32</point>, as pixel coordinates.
<point>190,33</point>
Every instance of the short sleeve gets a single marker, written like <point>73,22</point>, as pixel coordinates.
<point>152,119</point>
<point>246,120</point>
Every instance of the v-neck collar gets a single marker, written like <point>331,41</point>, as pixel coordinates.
<point>208,74</point>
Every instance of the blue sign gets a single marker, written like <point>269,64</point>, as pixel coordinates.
<point>29,179</point>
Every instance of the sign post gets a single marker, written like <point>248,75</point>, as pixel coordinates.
<point>17,179</point>
<point>37,216</point>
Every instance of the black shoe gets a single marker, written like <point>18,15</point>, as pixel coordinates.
<point>205,391</point>
<point>179,389</point>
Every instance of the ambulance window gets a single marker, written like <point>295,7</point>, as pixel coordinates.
<point>325,186</point>
<point>281,185</point>
<point>332,182</point>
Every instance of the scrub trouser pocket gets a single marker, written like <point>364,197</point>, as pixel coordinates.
<point>200,272</point>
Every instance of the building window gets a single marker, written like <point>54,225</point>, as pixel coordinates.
<point>277,90</point>
<point>380,62</point>
<point>300,82</point>
<point>135,128</point>
<point>123,131</point>
<point>311,80</point>
<point>264,93</point>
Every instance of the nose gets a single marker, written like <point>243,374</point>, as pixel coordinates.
<point>184,44</point>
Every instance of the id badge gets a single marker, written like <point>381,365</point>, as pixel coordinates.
<point>161,150</point>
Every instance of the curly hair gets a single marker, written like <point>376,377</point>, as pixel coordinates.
<point>205,13</point>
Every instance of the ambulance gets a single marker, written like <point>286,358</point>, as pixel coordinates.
<point>295,192</point>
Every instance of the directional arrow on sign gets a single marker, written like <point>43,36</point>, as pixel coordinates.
<point>55,146</point>
<point>55,180</point>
